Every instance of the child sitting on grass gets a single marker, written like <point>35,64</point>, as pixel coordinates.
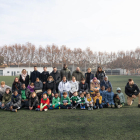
<point>98,101</point>
<point>121,96</point>
<point>75,100</point>
<point>33,101</point>
<point>65,101</point>
<point>15,101</point>
<point>55,102</point>
<point>82,102</point>
<point>89,101</point>
<point>44,103</point>
<point>117,101</point>
<point>110,97</point>
<point>103,93</point>
<point>5,104</point>
<point>31,87</point>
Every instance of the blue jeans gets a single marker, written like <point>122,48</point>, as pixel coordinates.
<point>65,107</point>
<point>61,93</point>
<point>97,104</point>
<point>5,106</point>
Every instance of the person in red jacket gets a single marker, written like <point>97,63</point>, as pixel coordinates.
<point>44,103</point>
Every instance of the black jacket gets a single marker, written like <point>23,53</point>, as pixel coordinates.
<point>33,101</point>
<point>100,76</point>
<point>16,86</point>
<point>56,76</point>
<point>26,82</point>
<point>131,91</point>
<point>34,75</point>
<point>16,101</point>
<point>44,76</point>
<point>83,87</point>
<point>51,86</point>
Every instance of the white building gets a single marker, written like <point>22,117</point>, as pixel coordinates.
<point>15,71</point>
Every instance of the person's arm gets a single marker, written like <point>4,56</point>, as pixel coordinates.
<point>79,100</point>
<point>58,78</point>
<point>28,79</point>
<point>86,87</point>
<point>137,91</point>
<point>86,101</point>
<point>95,99</point>
<point>69,86</point>
<point>30,102</point>
<point>36,101</point>
<point>61,102</point>
<point>3,99</point>
<point>18,102</point>
<point>100,100</point>
<point>54,88</point>
<point>69,102</point>
<point>123,98</point>
<point>59,87</point>
<point>127,92</point>
<point>69,76</point>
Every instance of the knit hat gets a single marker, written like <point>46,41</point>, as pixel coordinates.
<point>94,78</point>
<point>118,89</point>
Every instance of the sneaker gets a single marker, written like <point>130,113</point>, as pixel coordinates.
<point>73,108</point>
<point>14,110</point>
<point>84,107</point>
<point>119,106</point>
<point>112,106</point>
<point>98,107</point>
<point>51,108</point>
<point>139,105</point>
<point>89,108</point>
<point>45,109</point>
<point>37,109</point>
<point>69,107</point>
<point>132,101</point>
<point>18,108</point>
<point>109,106</point>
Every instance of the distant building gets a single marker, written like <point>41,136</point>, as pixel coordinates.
<point>15,71</point>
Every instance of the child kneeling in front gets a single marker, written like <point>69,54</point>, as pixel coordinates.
<point>45,102</point>
<point>110,98</point>
<point>15,101</point>
<point>82,102</point>
<point>65,101</point>
<point>121,96</point>
<point>117,101</point>
<point>55,102</point>
<point>98,101</point>
<point>103,94</point>
<point>75,100</point>
<point>89,101</point>
<point>33,101</point>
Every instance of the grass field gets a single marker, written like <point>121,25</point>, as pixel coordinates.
<point>103,124</point>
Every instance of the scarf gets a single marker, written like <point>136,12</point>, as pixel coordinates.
<point>23,76</point>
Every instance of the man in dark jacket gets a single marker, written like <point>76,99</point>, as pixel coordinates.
<point>132,91</point>
<point>65,72</point>
<point>35,74</point>
<point>44,76</point>
<point>78,74</point>
<point>56,76</point>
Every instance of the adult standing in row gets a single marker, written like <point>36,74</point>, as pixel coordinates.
<point>56,76</point>
<point>100,74</point>
<point>89,76</point>
<point>35,74</point>
<point>65,72</point>
<point>44,76</point>
<point>78,74</point>
<point>24,78</point>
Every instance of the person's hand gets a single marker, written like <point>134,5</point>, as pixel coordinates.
<point>22,100</point>
<point>41,109</point>
<point>53,106</point>
<point>66,103</point>
<point>71,100</point>
<point>44,82</point>
<point>52,94</point>
<point>82,103</point>
<point>26,99</point>
<point>2,105</point>
<point>75,101</point>
<point>30,108</point>
<point>84,92</point>
<point>103,101</point>
<point>133,96</point>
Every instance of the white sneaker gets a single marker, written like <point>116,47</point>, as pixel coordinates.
<point>119,106</point>
<point>45,109</point>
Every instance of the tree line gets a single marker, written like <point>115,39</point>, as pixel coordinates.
<point>52,55</point>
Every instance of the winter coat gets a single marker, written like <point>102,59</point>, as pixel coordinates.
<point>34,75</point>
<point>3,89</point>
<point>78,75</point>
<point>65,72</point>
<point>75,98</point>
<point>31,89</point>
<point>64,86</point>
<point>88,100</point>
<point>83,87</point>
<point>104,95</point>
<point>16,86</point>
<point>33,101</point>
<point>65,100</point>
<point>107,85</point>
<point>110,98</point>
<point>50,85</point>
<point>74,86</point>
<point>100,99</point>
<point>121,96</point>
<point>16,101</point>
<point>6,98</point>
<point>38,85</point>
<point>56,76</point>
<point>91,77</point>
<point>26,82</point>
<point>134,90</point>
<point>100,76</point>
<point>44,76</point>
<point>55,101</point>
<point>94,86</point>
<point>27,92</point>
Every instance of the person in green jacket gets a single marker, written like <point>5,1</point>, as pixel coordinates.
<point>65,102</point>
<point>55,102</point>
<point>82,102</point>
<point>121,96</point>
<point>5,104</point>
<point>75,100</point>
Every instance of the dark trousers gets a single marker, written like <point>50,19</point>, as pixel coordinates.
<point>65,107</point>
<point>24,104</point>
<point>39,95</point>
<point>1,97</point>
<point>97,104</point>
<point>74,104</point>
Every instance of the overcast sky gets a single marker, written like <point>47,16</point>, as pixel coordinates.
<point>109,25</point>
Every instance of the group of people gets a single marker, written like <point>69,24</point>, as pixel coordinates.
<point>43,91</point>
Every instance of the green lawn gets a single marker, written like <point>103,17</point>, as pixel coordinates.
<point>104,124</point>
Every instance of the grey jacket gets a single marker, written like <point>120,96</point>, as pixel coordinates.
<point>3,89</point>
<point>78,75</point>
<point>16,101</point>
<point>38,85</point>
<point>65,72</point>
